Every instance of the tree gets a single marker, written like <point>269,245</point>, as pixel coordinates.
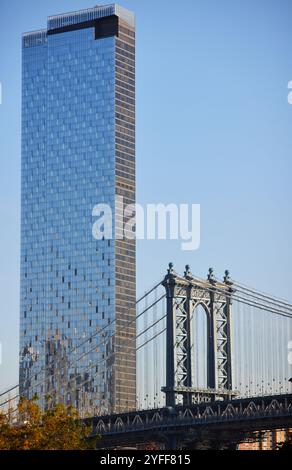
<point>4,431</point>
<point>58,428</point>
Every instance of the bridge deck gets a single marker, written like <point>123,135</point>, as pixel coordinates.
<point>238,417</point>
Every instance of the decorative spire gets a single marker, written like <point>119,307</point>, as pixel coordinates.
<point>211,276</point>
<point>227,278</point>
<point>188,272</point>
<point>170,276</point>
<point>171,269</point>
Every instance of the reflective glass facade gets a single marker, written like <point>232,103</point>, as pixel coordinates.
<point>77,332</point>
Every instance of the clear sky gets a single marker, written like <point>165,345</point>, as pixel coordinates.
<point>214,127</point>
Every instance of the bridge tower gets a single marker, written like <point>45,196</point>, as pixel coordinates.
<point>183,296</point>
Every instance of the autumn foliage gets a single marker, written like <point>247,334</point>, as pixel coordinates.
<point>58,428</point>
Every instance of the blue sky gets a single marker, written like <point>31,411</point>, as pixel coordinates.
<point>213,128</point>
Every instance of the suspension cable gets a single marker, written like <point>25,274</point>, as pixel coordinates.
<point>89,351</point>
<point>83,342</point>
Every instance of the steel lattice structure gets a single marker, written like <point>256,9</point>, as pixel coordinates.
<point>222,424</point>
<point>184,295</point>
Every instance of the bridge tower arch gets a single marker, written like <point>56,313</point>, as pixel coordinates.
<point>183,295</point>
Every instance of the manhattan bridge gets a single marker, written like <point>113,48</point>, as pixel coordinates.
<point>214,365</point>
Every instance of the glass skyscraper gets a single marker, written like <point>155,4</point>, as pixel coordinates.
<point>77,319</point>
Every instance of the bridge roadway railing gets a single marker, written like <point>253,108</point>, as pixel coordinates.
<point>239,410</point>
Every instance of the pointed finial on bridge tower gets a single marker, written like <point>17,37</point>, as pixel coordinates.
<point>170,276</point>
<point>211,276</point>
<point>188,273</point>
<point>171,268</point>
<point>227,278</point>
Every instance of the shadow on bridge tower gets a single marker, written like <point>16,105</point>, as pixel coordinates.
<point>184,295</point>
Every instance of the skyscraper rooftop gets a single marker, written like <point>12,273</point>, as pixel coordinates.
<point>82,16</point>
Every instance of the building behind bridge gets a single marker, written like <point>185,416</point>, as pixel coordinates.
<point>267,440</point>
<point>78,150</point>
